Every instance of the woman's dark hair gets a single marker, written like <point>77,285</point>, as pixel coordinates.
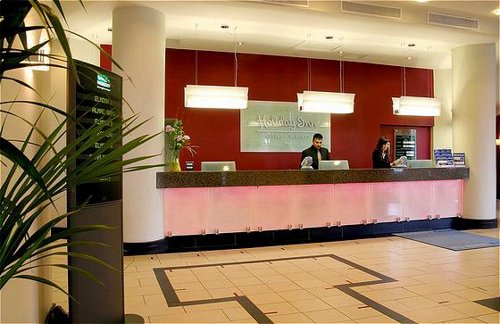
<point>381,141</point>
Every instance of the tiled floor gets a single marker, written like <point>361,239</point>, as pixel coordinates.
<point>377,280</point>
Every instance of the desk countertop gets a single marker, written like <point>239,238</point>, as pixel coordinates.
<point>191,179</point>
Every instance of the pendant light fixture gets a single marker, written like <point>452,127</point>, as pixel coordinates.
<point>326,102</point>
<point>414,106</point>
<point>216,97</point>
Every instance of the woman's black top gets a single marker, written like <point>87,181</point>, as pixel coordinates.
<point>379,161</point>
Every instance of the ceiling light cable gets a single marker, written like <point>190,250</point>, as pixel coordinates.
<point>308,40</point>
<point>196,56</point>
<point>308,73</point>
<point>196,67</point>
<point>235,58</point>
<point>403,70</point>
<point>341,71</point>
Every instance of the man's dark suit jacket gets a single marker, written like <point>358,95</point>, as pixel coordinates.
<point>313,152</point>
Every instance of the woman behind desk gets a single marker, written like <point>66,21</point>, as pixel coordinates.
<point>380,156</point>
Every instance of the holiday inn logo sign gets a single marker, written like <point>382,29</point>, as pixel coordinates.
<point>268,126</point>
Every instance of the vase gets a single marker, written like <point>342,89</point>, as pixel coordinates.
<point>175,165</point>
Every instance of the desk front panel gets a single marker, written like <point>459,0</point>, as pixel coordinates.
<point>213,210</point>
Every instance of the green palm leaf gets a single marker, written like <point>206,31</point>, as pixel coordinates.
<point>34,180</point>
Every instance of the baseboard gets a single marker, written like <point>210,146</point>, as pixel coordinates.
<point>159,246</point>
<point>295,236</point>
<point>466,223</point>
<point>283,237</point>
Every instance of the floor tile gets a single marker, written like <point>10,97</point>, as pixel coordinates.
<point>426,283</point>
<point>490,318</point>
<point>418,302</point>
<point>213,316</point>
<point>311,283</point>
<point>268,298</point>
<point>283,286</point>
<point>435,288</point>
<point>471,294</point>
<point>466,320</point>
<point>193,295</point>
<point>211,284</point>
<point>237,314</point>
<point>224,292</point>
<point>327,316</point>
<point>446,298</point>
<point>294,295</point>
<point>254,289</point>
<point>472,309</point>
<point>291,318</point>
<point>276,309</point>
<point>377,319</point>
<point>390,294</point>
<point>341,301</point>
<point>210,306</point>
<point>359,312</point>
<point>436,314</point>
<point>325,292</point>
<point>245,281</point>
<point>310,304</point>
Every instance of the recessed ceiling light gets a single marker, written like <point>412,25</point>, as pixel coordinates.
<point>239,43</point>
<point>497,12</point>
<point>422,1</point>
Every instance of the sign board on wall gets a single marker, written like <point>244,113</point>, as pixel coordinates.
<point>406,143</point>
<point>270,126</point>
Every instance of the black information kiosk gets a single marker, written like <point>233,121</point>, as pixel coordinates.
<point>96,98</point>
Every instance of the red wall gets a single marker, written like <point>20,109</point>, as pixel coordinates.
<point>105,62</point>
<point>279,78</point>
<point>276,78</point>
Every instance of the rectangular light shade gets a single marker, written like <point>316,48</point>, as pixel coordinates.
<point>416,106</point>
<point>201,96</point>
<point>326,102</point>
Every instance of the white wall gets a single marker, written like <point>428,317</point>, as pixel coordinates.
<point>84,51</point>
<point>442,134</point>
<point>19,293</point>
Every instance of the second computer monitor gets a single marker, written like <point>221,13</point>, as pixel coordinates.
<point>333,165</point>
<point>420,163</point>
<point>218,166</point>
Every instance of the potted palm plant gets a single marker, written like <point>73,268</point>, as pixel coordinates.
<point>34,168</point>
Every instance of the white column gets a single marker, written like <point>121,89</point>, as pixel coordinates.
<point>139,47</point>
<point>474,96</point>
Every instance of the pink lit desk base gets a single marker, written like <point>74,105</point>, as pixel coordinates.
<point>212,210</point>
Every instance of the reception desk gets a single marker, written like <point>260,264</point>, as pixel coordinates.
<point>315,205</point>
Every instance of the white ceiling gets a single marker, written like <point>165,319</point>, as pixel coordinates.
<point>291,30</point>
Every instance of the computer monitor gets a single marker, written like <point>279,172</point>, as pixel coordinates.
<point>420,164</point>
<point>218,166</point>
<point>334,165</point>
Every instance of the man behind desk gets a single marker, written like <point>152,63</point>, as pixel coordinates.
<point>316,151</point>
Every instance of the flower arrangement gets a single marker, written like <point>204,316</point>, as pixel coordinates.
<point>178,139</point>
